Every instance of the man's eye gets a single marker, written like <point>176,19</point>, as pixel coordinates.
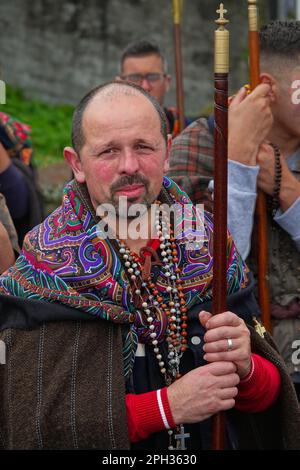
<point>134,77</point>
<point>144,147</point>
<point>108,151</point>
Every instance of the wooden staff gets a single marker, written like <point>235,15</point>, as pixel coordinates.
<point>261,206</point>
<point>177,16</point>
<point>220,188</point>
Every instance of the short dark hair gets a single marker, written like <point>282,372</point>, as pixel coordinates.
<point>280,38</point>
<point>78,138</point>
<point>142,48</point>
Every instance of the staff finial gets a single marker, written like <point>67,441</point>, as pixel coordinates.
<point>253,15</point>
<point>221,43</point>
<point>222,21</point>
<point>177,11</point>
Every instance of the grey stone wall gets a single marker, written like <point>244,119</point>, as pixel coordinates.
<point>57,50</point>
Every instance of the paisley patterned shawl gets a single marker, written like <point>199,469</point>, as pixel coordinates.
<point>67,259</point>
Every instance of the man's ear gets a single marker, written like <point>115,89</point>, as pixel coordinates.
<point>271,80</point>
<point>73,160</point>
<point>168,79</point>
<point>166,162</point>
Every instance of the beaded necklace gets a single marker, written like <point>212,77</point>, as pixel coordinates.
<point>273,202</point>
<point>172,313</point>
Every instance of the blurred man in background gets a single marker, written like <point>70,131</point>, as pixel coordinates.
<point>143,63</point>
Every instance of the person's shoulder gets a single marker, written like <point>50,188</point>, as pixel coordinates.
<point>196,126</point>
<point>197,134</point>
<point>193,144</point>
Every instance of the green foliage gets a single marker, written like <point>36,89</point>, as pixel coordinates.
<point>51,125</point>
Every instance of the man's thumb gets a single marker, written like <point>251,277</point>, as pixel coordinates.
<point>239,97</point>
<point>204,317</point>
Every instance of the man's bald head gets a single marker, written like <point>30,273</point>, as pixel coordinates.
<point>111,91</point>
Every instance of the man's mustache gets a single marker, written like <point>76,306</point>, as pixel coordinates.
<point>129,180</point>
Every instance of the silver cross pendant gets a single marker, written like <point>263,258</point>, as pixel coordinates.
<point>181,437</point>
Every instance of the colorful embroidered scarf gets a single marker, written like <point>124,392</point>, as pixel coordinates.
<point>66,259</point>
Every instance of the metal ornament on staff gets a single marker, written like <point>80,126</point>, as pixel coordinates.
<point>220,187</point>
<point>177,17</point>
<point>261,223</point>
<point>254,62</point>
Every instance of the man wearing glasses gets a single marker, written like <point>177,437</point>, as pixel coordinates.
<point>142,63</point>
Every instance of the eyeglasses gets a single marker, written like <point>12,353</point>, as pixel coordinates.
<point>138,78</point>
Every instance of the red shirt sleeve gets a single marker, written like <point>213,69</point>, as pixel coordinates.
<point>148,413</point>
<point>260,389</point>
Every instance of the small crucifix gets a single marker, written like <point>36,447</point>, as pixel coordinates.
<point>181,437</point>
<point>259,328</point>
<point>222,11</point>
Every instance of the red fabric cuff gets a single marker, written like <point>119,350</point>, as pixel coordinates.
<point>260,389</point>
<point>145,416</point>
